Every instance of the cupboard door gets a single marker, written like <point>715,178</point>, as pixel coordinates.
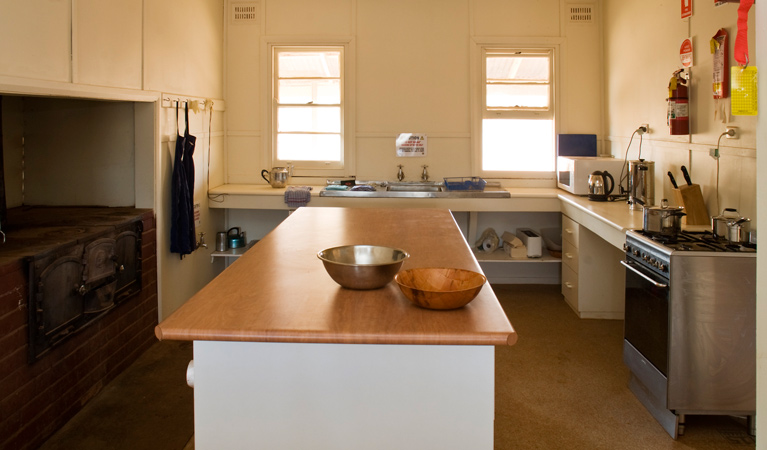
<point>35,39</point>
<point>107,43</point>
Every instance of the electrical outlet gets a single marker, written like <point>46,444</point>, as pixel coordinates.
<point>731,132</point>
<point>646,128</point>
<point>714,153</point>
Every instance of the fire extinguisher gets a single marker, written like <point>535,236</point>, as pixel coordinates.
<point>678,116</point>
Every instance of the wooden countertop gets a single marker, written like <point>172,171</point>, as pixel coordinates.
<point>279,290</point>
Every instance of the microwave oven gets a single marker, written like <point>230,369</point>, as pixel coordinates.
<point>573,172</point>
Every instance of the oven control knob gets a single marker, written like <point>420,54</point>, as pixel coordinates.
<point>662,267</point>
<point>636,252</point>
<point>625,247</point>
<point>652,261</point>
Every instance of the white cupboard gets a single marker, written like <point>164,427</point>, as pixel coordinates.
<point>592,277</point>
<point>35,39</point>
<point>107,43</point>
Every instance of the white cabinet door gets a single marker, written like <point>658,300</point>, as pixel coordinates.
<point>107,43</point>
<point>35,39</point>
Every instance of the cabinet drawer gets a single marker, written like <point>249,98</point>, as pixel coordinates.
<point>570,255</point>
<point>570,230</point>
<point>570,286</point>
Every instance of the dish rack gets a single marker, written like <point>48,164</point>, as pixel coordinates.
<point>465,183</point>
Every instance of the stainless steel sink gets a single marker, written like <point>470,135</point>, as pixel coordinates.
<point>414,189</point>
<point>415,186</point>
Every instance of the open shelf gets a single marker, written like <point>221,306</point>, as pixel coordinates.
<point>232,252</point>
<point>501,256</point>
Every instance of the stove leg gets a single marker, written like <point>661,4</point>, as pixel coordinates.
<point>680,425</point>
<point>751,423</point>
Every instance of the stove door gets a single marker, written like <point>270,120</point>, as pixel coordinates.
<point>646,324</point>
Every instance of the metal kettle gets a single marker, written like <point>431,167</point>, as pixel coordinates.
<point>278,177</point>
<point>601,184</point>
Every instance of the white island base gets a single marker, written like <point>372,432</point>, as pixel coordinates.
<point>256,395</point>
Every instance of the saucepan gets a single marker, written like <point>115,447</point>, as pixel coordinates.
<point>739,231</point>
<point>663,220</point>
<point>719,224</point>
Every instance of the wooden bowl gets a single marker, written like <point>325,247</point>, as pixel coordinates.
<point>440,287</point>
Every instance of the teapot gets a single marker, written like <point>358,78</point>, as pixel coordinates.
<point>599,188</point>
<point>278,177</point>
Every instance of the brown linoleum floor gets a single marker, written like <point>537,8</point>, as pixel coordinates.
<point>562,386</point>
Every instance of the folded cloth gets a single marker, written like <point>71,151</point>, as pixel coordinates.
<point>296,196</point>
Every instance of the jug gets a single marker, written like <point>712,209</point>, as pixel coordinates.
<point>278,177</point>
<point>599,188</point>
<point>641,184</point>
<point>235,239</point>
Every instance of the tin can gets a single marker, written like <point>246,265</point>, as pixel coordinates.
<point>221,241</point>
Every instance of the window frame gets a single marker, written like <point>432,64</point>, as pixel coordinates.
<point>307,168</point>
<point>480,49</point>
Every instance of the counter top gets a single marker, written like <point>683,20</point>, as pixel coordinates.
<point>279,290</point>
<point>262,196</point>
<point>609,220</point>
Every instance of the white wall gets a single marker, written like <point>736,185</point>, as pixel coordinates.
<point>641,43</point>
<point>183,54</point>
<point>761,305</point>
<point>413,74</point>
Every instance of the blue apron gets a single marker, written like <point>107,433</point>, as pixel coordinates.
<point>182,234</point>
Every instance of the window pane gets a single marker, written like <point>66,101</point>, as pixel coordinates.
<point>309,147</point>
<point>301,92</point>
<point>309,64</point>
<point>517,95</point>
<point>528,68</point>
<point>309,119</point>
<point>518,145</point>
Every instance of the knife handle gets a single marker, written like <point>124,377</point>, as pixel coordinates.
<point>686,175</point>
<point>673,180</point>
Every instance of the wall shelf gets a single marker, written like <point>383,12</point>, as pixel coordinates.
<point>501,256</point>
<point>232,252</point>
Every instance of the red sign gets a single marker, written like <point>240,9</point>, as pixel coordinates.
<point>685,53</point>
<point>686,8</point>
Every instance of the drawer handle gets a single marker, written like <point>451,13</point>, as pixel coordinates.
<point>568,231</point>
<point>569,255</point>
<point>568,285</point>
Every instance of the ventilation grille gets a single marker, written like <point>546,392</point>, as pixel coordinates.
<point>244,13</point>
<point>581,14</point>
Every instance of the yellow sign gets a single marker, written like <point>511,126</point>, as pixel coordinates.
<point>743,91</point>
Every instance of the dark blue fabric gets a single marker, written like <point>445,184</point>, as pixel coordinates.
<point>182,234</point>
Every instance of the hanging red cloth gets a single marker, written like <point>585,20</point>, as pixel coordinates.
<point>741,39</point>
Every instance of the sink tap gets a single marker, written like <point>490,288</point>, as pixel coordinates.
<point>400,173</point>
<point>425,173</point>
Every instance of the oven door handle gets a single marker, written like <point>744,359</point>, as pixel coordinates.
<point>633,269</point>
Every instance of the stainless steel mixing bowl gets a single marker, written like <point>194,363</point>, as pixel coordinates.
<point>362,266</point>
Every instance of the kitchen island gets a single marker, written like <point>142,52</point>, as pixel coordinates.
<point>286,358</point>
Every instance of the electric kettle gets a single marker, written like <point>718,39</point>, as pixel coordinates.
<point>601,184</point>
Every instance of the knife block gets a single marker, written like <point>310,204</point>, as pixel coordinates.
<point>691,198</point>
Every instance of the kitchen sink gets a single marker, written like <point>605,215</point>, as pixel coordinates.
<point>415,186</point>
<point>412,189</point>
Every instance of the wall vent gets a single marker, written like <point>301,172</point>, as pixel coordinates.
<point>581,14</point>
<point>244,13</point>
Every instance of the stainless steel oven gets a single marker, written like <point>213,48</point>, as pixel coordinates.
<point>690,327</point>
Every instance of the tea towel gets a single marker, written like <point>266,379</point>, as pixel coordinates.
<point>296,196</point>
